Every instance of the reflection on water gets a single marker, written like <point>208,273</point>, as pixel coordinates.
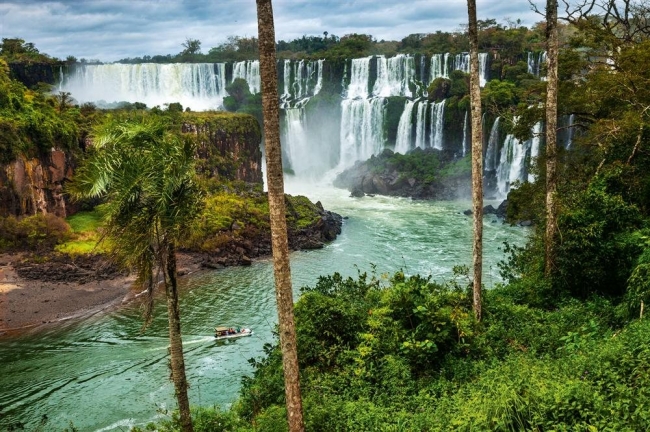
<point>102,373</point>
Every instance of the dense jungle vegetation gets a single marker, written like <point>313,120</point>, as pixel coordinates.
<point>565,351</point>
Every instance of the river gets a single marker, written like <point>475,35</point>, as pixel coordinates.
<point>102,374</point>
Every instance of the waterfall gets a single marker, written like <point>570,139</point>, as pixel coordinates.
<point>303,154</point>
<point>535,141</point>
<point>570,132</point>
<point>493,143</point>
<point>250,71</point>
<point>287,79</point>
<point>442,65</point>
<point>394,75</point>
<point>421,125</point>
<point>200,86</point>
<point>483,70</point>
<point>362,133</point>
<point>535,62</point>
<point>299,84</point>
<point>437,123</point>
<point>511,164</point>
<point>319,77</point>
<point>437,67</point>
<point>404,129</point>
<point>359,75</point>
<point>465,135</point>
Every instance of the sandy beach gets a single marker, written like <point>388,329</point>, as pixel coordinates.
<point>26,303</point>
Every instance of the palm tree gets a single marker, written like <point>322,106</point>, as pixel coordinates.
<point>477,157</point>
<point>279,241</point>
<point>551,133</point>
<point>146,175</point>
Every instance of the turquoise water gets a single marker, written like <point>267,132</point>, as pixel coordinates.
<point>103,374</point>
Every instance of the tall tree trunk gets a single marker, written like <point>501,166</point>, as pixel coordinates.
<point>277,210</point>
<point>175,343</point>
<point>477,157</point>
<point>551,134</point>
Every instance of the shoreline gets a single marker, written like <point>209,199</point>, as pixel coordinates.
<point>27,304</point>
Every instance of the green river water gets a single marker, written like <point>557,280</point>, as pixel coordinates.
<point>103,374</point>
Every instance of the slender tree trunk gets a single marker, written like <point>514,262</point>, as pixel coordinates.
<point>175,343</point>
<point>277,210</point>
<point>477,157</point>
<point>551,134</point>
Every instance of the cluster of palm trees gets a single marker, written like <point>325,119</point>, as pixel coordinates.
<point>147,173</point>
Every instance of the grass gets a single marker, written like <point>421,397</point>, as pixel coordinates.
<point>85,233</point>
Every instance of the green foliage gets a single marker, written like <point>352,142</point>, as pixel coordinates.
<point>37,232</point>
<point>32,122</point>
<point>204,419</point>
<point>17,50</point>
<point>498,95</point>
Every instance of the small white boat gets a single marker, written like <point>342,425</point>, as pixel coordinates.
<point>231,332</point>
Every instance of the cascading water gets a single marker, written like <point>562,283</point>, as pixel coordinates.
<point>362,133</point>
<point>511,167</point>
<point>359,73</point>
<point>570,131</point>
<point>319,76</point>
<point>404,129</point>
<point>442,65</point>
<point>493,142</point>
<point>200,86</point>
<point>438,68</point>
<point>465,135</point>
<point>437,122</point>
<point>249,70</point>
<point>394,76</point>
<point>421,124</point>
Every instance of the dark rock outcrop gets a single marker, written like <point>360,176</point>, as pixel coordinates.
<point>378,175</point>
<point>239,250</point>
<point>30,186</point>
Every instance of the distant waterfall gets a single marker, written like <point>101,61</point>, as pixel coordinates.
<point>483,68</point>
<point>491,155</point>
<point>250,71</point>
<point>437,122</point>
<point>362,133</point>
<point>535,62</point>
<point>359,73</point>
<point>287,79</point>
<point>442,65</point>
<point>405,129</point>
<point>511,165</point>
<point>570,132</point>
<point>199,86</point>
<point>421,125</point>
<point>438,69</point>
<point>465,135</point>
<point>319,76</point>
<point>305,156</point>
<point>394,76</point>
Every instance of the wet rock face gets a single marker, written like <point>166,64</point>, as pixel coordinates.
<point>30,186</point>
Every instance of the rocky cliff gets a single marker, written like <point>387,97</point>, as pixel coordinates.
<point>228,148</point>
<point>228,145</point>
<point>30,186</point>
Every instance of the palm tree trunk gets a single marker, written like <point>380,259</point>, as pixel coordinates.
<point>175,343</point>
<point>277,210</point>
<point>477,157</point>
<point>551,134</point>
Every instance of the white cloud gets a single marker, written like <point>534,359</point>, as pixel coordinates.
<point>110,30</point>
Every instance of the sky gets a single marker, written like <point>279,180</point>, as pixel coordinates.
<point>109,30</point>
